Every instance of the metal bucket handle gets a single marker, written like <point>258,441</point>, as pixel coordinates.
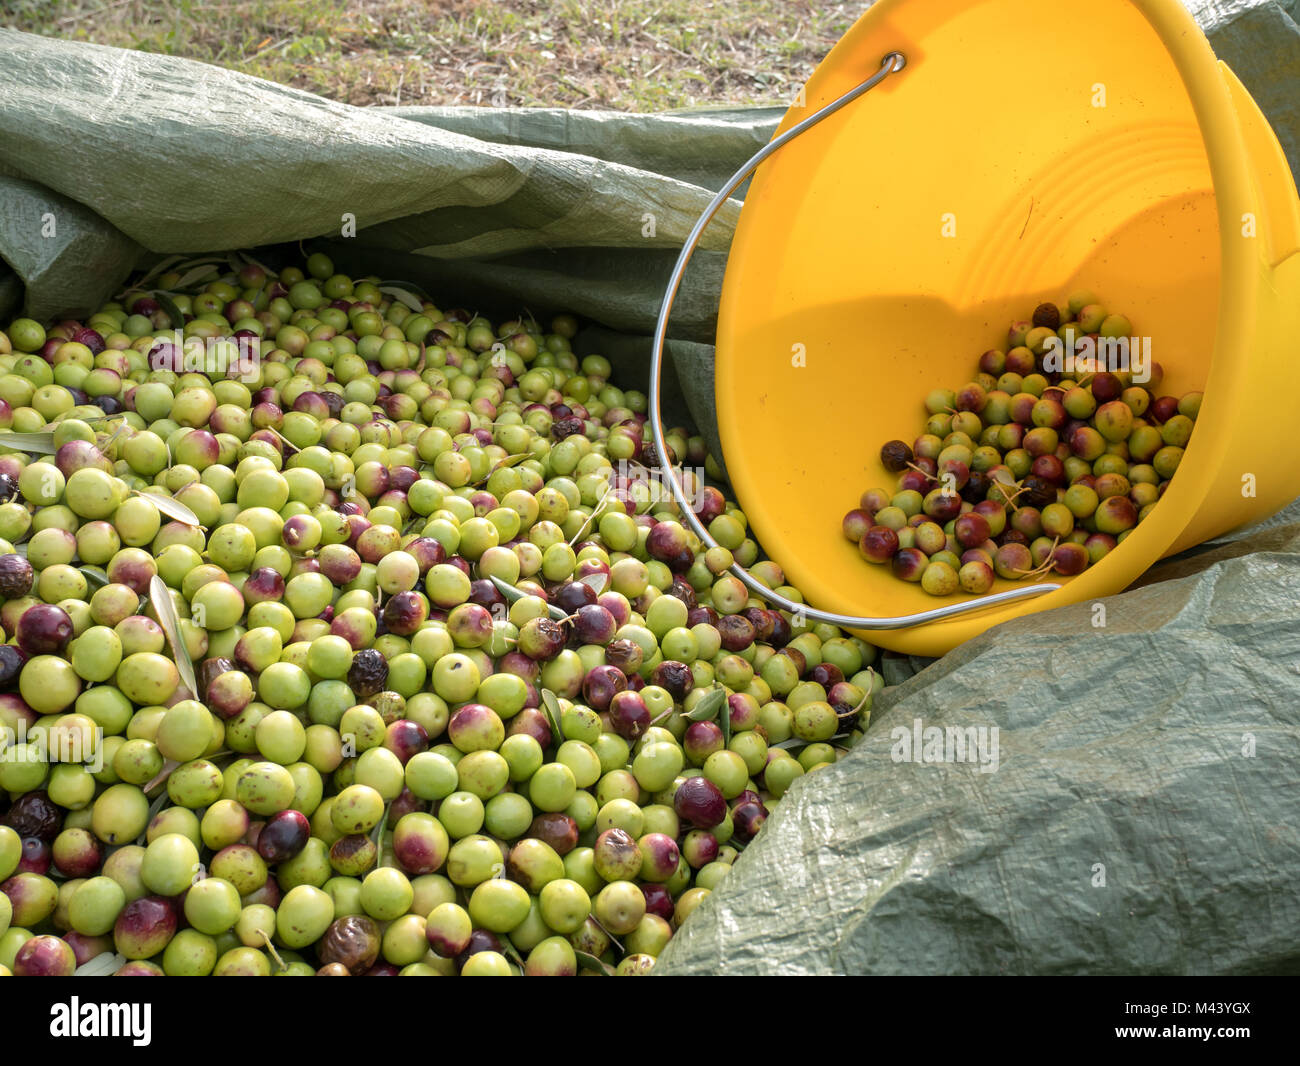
<point>892,63</point>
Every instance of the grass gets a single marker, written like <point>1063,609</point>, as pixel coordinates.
<point>631,55</point>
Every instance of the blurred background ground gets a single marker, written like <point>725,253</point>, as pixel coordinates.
<point>628,55</point>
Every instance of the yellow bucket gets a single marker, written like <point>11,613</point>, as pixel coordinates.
<point>1014,151</point>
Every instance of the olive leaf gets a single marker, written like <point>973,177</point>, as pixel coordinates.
<point>159,269</point>
<point>161,600</point>
<point>195,275</point>
<point>95,576</point>
<point>162,775</point>
<point>512,594</point>
<point>707,709</point>
<point>793,742</point>
<point>724,718</point>
<point>377,835</point>
<point>173,509</point>
<point>402,295</point>
<point>551,705</point>
<point>110,440</point>
<point>156,805</point>
<point>102,965</point>
<point>406,288</point>
<point>173,312</point>
<point>590,962</point>
<point>256,262</point>
<point>238,260</point>
<point>511,460</point>
<point>598,582</point>
<point>37,443</point>
<point>503,464</point>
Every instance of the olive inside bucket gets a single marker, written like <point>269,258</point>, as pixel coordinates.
<point>1005,152</point>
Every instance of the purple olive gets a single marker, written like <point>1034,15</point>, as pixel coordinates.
<point>484,593</point>
<point>556,829</point>
<point>674,677</point>
<point>666,542</point>
<point>626,655</point>
<point>368,673</point>
<point>44,629</point>
<point>352,942</point>
<point>629,715</point>
<point>593,624</point>
<point>747,819</point>
<point>701,740</point>
<point>660,857</point>
<point>12,659</point>
<point>407,802</point>
<point>572,595</point>
<point>541,639</point>
<point>470,625</point>
<point>16,577</point>
<point>340,563</point>
<point>406,612</point>
<point>737,632</point>
<point>77,853</point>
<point>426,551</point>
<point>144,927</point>
<point>35,815</point>
<point>36,856</point>
<point>658,901</point>
<point>405,738</point>
<point>479,940</point>
<point>601,685</point>
<point>762,622</point>
<point>826,675</point>
<point>532,722</point>
<point>701,615</point>
<point>45,956</point>
<point>519,664</point>
<point>284,835</point>
<point>700,802</point>
<point>264,585</point>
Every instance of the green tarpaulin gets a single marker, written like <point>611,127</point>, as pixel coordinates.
<point>1143,814</point>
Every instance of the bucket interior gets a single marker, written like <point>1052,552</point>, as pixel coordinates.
<point>1027,150</point>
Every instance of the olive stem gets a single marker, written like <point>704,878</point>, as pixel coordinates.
<point>1045,567</point>
<point>612,938</point>
<point>271,948</point>
<point>591,517</point>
